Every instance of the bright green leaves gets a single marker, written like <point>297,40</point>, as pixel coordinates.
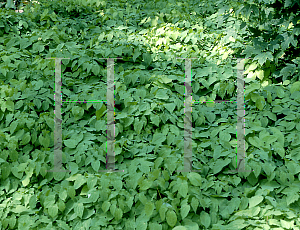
<point>195,178</point>
<point>255,200</point>
<point>53,210</point>
<point>171,218</point>
<point>9,105</point>
<point>205,219</point>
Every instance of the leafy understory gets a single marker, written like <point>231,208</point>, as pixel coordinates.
<point>150,114</point>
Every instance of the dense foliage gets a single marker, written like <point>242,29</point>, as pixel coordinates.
<point>149,106</point>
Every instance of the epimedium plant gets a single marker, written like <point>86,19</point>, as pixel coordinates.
<point>149,115</point>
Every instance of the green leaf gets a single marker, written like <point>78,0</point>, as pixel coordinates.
<point>136,54</point>
<point>291,198</point>
<point>179,88</point>
<point>277,109</point>
<point>162,94</point>
<point>105,206</point>
<point>195,204</point>
<point>26,180</point>
<point>280,92</point>
<point>76,138</point>
<point>224,135</point>
<point>295,87</point>
<point>25,139</point>
<point>262,57</point>
<point>13,127</point>
<point>194,178</point>
<point>138,125</point>
<point>220,164</point>
<point>78,209</point>
<point>77,112</point>
<point>10,105</point>
<point>171,218</point>
<point>252,87</point>
<point>80,180</point>
<point>96,165</point>
<point>279,134</point>
<point>169,106</point>
<point>183,189</point>
<point>180,228</point>
<point>269,97</point>
<point>149,207</point>
<point>53,210</point>
<point>70,143</point>
<point>118,214</point>
<point>128,121</point>
<point>50,122</point>
<point>96,69</point>
<point>93,195</point>
<point>185,208</point>
<point>158,138</point>
<point>145,184</point>
<point>63,194</point>
<point>147,58</point>
<point>205,219</point>
<point>260,74</point>
<point>162,211</point>
<point>260,102</point>
<point>255,200</point>
<point>268,168</point>
<point>210,117</point>
<point>278,148</point>
<point>118,51</point>
<point>100,125</point>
